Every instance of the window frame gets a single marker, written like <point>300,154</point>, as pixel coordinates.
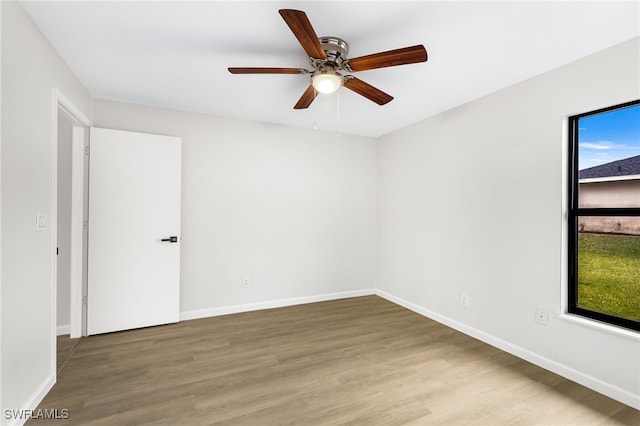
<point>574,212</point>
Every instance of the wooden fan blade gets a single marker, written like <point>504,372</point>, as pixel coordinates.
<point>301,27</point>
<point>307,97</point>
<point>390,58</point>
<point>367,90</point>
<point>263,70</point>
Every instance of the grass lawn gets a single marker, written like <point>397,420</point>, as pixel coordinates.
<point>609,274</point>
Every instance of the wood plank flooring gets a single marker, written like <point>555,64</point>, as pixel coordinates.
<point>359,361</point>
<point>66,347</point>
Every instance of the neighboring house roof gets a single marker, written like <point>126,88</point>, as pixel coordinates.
<point>625,167</point>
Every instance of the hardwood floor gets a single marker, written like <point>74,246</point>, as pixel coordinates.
<point>66,347</point>
<point>360,361</point>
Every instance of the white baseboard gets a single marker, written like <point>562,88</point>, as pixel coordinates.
<point>22,414</point>
<point>270,304</point>
<point>593,383</point>
<point>63,329</point>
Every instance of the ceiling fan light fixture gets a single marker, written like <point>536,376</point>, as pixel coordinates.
<point>328,55</point>
<point>326,82</point>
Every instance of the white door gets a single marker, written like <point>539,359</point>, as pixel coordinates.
<point>134,230</point>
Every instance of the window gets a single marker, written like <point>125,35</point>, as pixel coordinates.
<point>604,215</point>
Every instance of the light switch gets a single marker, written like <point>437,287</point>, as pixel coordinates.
<point>41,222</point>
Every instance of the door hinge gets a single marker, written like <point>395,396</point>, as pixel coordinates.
<point>86,150</point>
<point>84,300</point>
<point>85,225</point>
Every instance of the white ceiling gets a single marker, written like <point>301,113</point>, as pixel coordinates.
<point>175,54</point>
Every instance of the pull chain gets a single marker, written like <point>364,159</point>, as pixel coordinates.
<point>315,116</point>
<point>338,118</point>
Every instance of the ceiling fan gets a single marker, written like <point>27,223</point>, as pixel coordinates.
<point>328,55</point>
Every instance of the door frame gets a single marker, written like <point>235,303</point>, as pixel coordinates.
<point>81,123</point>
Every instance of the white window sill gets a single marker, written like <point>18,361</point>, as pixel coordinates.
<point>587,322</point>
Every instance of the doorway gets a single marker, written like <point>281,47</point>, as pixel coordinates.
<point>70,186</point>
<point>63,250</point>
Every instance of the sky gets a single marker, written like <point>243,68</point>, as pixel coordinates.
<point>609,136</point>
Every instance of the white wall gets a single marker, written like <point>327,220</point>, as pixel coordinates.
<point>293,209</point>
<point>30,71</point>
<point>1,405</point>
<point>63,309</point>
<point>471,201</point>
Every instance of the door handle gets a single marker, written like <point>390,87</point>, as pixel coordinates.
<point>170,240</point>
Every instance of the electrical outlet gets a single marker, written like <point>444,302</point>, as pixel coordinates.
<point>542,316</point>
<point>464,300</point>
<point>246,282</point>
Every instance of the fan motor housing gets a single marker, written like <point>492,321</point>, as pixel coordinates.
<point>336,49</point>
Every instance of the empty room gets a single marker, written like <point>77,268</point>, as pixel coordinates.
<point>320,212</point>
